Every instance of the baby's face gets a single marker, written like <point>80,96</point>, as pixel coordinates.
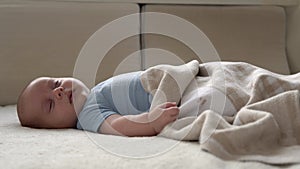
<point>53,102</point>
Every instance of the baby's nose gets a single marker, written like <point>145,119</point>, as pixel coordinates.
<point>58,92</point>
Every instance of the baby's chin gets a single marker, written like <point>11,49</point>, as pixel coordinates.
<point>79,97</point>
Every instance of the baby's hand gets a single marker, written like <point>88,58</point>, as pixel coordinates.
<point>162,115</point>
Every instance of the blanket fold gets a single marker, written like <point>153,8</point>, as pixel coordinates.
<point>266,127</point>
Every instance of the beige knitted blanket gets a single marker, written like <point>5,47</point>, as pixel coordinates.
<point>266,127</point>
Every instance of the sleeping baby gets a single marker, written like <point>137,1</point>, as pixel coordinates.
<point>117,106</point>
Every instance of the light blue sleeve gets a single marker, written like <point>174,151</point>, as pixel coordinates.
<point>93,113</point>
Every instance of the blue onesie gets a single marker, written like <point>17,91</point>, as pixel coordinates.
<point>122,94</point>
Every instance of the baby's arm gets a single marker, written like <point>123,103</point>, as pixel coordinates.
<point>145,124</point>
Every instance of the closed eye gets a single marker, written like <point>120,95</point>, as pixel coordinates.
<point>57,83</point>
<point>51,105</point>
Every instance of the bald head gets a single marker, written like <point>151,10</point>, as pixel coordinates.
<point>22,111</point>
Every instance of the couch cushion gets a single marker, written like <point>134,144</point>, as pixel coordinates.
<point>254,34</point>
<point>45,38</point>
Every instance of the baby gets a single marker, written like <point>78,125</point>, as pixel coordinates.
<point>118,106</point>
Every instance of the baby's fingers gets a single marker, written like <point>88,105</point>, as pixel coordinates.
<point>168,104</point>
<point>173,111</point>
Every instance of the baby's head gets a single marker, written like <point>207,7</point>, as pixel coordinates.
<point>51,102</point>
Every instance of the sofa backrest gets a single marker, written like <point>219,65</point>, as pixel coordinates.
<point>253,34</point>
<point>45,38</point>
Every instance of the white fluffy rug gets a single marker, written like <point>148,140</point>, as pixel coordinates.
<point>22,147</point>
